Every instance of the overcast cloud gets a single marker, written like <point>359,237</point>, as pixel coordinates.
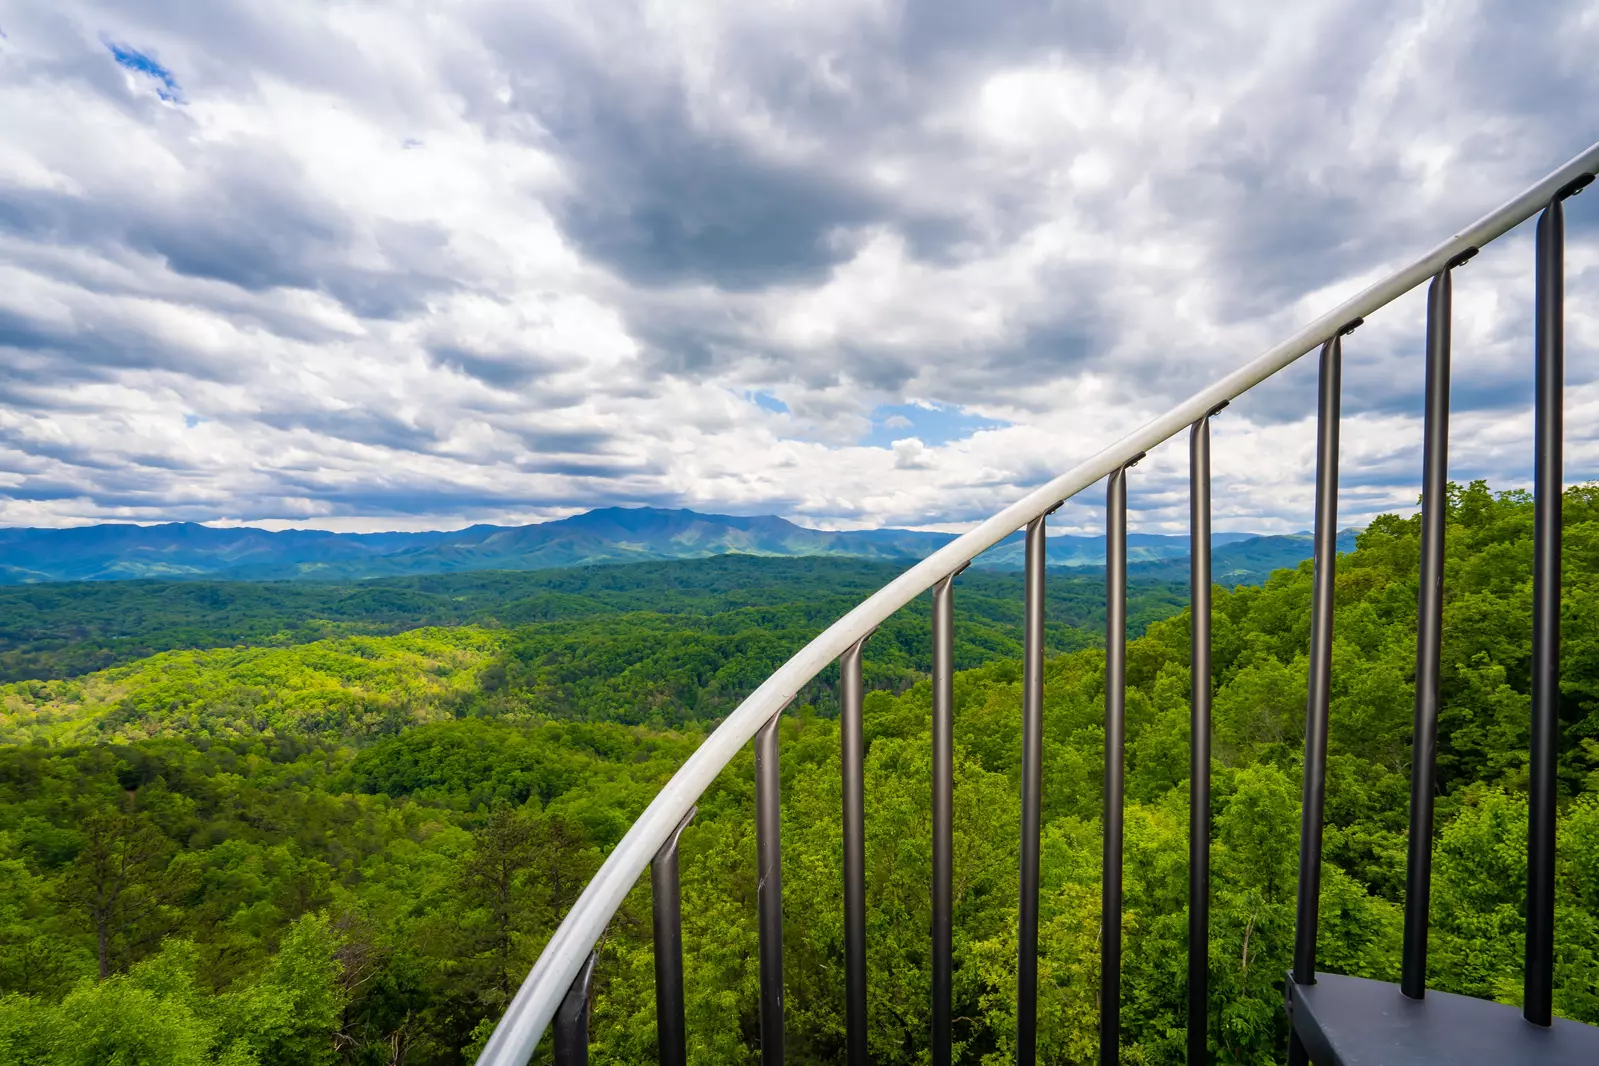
<point>410,265</point>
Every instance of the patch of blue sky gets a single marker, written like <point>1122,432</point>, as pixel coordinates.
<point>136,61</point>
<point>932,424</point>
<point>767,402</point>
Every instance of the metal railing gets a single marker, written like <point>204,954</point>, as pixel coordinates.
<point>558,986</point>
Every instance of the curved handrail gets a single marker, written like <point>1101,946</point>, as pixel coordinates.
<point>519,1031</point>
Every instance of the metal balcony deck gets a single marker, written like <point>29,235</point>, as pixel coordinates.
<point>1350,1021</point>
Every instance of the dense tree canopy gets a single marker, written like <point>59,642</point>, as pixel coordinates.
<point>351,850</point>
<point>68,629</point>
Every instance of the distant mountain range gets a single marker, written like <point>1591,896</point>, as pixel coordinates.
<point>606,535</point>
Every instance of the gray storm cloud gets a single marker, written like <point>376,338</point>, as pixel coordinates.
<point>373,267</point>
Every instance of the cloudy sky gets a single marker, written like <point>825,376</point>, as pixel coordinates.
<point>855,262</point>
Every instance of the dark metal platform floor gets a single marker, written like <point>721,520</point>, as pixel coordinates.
<point>1350,1021</point>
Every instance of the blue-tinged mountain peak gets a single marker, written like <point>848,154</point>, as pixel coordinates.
<point>603,535</point>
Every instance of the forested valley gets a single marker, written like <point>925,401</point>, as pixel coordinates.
<point>275,823</point>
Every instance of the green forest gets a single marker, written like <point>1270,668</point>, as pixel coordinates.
<point>280,823</point>
<point>55,631</point>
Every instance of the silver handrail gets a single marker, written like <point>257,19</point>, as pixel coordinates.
<point>525,1020</point>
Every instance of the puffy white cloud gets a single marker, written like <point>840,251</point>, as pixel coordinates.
<point>397,266</point>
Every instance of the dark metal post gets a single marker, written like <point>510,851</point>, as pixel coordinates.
<point>943,814</point>
<point>1429,636</point>
<point>769,890</point>
<point>853,761</point>
<point>571,1026</point>
<point>1032,797</point>
<point>1319,698</point>
<point>1199,743</point>
<point>671,1036</point>
<point>1110,907</point>
<point>1548,489</point>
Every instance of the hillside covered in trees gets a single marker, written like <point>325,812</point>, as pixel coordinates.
<point>663,643</point>
<point>58,630</point>
<point>348,846</point>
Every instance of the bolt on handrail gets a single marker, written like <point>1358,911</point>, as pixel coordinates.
<point>569,950</point>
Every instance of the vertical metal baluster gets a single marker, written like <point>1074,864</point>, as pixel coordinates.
<point>666,900</point>
<point>854,753</point>
<point>1429,635</point>
<point>1032,797</point>
<point>1199,742</point>
<point>1297,1055</point>
<point>1548,487</point>
<point>1319,698</point>
<point>572,1019</point>
<point>943,814</point>
<point>769,890</point>
<point>1110,906</point>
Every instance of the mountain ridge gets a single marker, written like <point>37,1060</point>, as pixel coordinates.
<point>607,535</point>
